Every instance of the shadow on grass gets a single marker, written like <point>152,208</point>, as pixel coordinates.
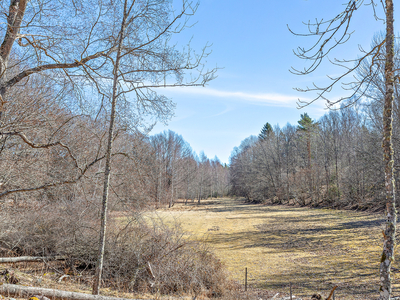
<point>317,248</point>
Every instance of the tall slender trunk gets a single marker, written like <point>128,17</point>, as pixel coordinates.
<point>159,183</point>
<point>107,169</point>
<point>211,187</point>
<point>217,185</point>
<point>337,173</point>
<point>326,165</point>
<point>187,191</point>
<point>187,183</point>
<point>201,187</point>
<point>390,230</point>
<point>287,177</point>
<point>362,171</point>
<point>171,200</point>
<point>308,150</point>
<point>211,184</point>
<point>309,167</point>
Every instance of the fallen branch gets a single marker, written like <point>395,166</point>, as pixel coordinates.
<point>18,291</point>
<point>4,260</point>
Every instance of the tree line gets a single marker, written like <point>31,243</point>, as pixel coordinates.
<point>78,95</point>
<point>54,154</point>
<point>335,161</point>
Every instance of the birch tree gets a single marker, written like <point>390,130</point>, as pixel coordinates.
<point>106,182</point>
<point>331,34</point>
<point>142,61</point>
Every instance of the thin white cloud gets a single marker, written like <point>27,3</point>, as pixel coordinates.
<point>226,110</point>
<point>274,99</point>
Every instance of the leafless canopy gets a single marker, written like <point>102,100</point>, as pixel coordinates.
<point>330,34</point>
<point>64,52</point>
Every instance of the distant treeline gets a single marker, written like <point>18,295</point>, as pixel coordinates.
<point>335,161</point>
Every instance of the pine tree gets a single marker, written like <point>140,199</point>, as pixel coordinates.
<point>307,125</point>
<point>266,131</point>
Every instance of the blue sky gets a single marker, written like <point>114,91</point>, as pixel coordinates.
<point>251,42</point>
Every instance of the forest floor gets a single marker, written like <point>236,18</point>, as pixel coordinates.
<point>313,249</point>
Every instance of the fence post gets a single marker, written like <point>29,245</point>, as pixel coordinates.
<point>245,279</point>
<point>290,285</point>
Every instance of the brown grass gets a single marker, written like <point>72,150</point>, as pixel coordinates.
<point>313,249</point>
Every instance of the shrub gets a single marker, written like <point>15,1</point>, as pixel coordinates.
<point>140,255</point>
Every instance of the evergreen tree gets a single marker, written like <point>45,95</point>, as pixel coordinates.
<point>305,123</point>
<point>266,131</point>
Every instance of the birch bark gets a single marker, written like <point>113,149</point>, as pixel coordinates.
<point>390,230</point>
<point>107,168</point>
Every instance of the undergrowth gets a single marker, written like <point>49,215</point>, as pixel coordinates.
<point>141,256</point>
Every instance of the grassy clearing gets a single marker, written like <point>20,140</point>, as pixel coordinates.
<point>312,248</point>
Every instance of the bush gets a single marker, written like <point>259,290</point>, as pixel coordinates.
<point>178,265</point>
<point>332,193</point>
<point>139,256</point>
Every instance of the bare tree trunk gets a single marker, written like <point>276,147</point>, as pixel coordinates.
<point>337,175</point>
<point>201,188</point>
<point>217,183</point>
<point>16,14</point>
<point>107,169</point>
<point>159,186</point>
<point>327,177</point>
<point>212,185</point>
<point>309,167</point>
<point>287,181</point>
<point>171,200</point>
<point>390,230</point>
<point>187,188</point>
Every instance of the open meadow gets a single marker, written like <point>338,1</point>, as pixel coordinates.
<point>314,249</point>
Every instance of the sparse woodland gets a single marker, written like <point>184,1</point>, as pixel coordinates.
<point>79,95</point>
<point>52,164</point>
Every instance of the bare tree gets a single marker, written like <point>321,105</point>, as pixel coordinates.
<point>143,60</point>
<point>73,46</point>
<point>331,34</point>
<point>106,182</point>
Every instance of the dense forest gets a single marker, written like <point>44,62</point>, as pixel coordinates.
<point>334,161</point>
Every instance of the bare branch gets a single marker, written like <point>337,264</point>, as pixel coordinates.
<point>52,184</point>
<point>43,146</point>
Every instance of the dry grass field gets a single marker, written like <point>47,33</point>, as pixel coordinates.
<point>314,249</point>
